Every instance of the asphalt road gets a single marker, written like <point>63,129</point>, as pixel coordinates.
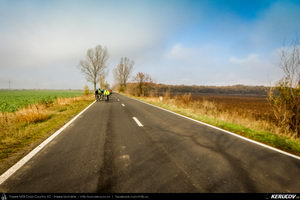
<point>105,150</point>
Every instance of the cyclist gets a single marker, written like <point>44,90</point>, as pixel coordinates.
<point>106,95</point>
<point>96,95</point>
<point>100,94</point>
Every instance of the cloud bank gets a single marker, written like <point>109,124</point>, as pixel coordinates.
<point>178,42</point>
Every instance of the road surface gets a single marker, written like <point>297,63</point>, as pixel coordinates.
<point>128,146</point>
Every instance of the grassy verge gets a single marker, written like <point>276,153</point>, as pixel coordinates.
<point>221,120</point>
<point>23,130</point>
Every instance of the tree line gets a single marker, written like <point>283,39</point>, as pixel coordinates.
<point>94,67</point>
<point>284,97</point>
<point>232,90</point>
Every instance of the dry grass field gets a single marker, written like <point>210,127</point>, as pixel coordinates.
<point>250,116</point>
<point>254,106</point>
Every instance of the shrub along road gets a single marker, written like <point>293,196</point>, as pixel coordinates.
<point>128,146</point>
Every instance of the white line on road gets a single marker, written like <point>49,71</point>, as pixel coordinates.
<point>224,131</point>
<point>137,121</point>
<point>25,159</point>
<point>122,104</point>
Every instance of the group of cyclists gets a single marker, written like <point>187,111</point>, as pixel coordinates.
<point>102,94</point>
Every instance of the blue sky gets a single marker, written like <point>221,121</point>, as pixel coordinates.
<point>204,42</point>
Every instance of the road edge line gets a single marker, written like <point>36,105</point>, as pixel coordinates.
<point>33,152</point>
<point>223,130</point>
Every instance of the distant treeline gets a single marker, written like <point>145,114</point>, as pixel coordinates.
<point>232,90</point>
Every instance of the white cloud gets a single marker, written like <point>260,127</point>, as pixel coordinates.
<point>209,66</point>
<point>42,40</point>
<point>44,44</point>
<point>176,52</point>
<point>179,52</point>
<point>53,39</point>
<point>199,55</point>
<point>251,59</point>
<point>256,69</point>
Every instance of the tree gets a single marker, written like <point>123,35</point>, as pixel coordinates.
<point>102,81</point>
<point>285,96</point>
<point>122,72</point>
<point>94,64</point>
<point>142,79</point>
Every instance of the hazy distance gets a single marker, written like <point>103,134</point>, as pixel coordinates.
<point>207,42</point>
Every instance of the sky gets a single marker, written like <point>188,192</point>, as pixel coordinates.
<point>203,42</point>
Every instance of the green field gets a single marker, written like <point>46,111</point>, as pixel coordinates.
<point>12,100</point>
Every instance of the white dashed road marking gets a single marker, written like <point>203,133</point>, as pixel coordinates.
<point>137,121</point>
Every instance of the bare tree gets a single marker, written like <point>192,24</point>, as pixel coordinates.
<point>142,80</point>
<point>122,72</point>
<point>285,96</point>
<point>102,80</point>
<point>94,64</point>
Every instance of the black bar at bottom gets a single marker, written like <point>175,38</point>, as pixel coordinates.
<point>181,196</point>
